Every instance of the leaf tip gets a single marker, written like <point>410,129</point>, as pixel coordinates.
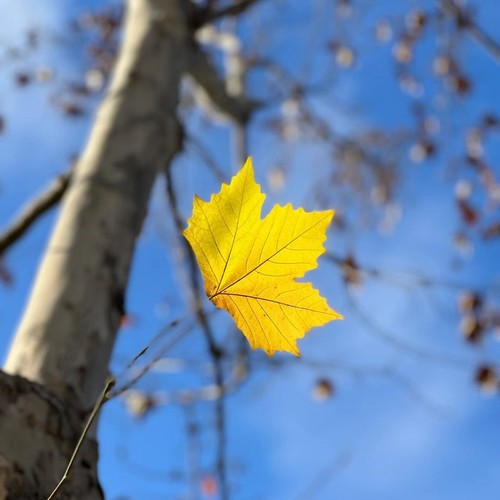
<point>330,214</point>
<point>247,169</point>
<point>248,163</point>
<point>270,351</point>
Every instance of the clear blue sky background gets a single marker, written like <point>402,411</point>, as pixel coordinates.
<point>400,425</point>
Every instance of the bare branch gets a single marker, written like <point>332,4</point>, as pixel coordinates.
<point>172,341</point>
<point>376,330</point>
<point>33,211</point>
<point>206,157</point>
<point>95,410</point>
<point>324,476</point>
<point>413,278</point>
<point>215,352</point>
<point>465,21</point>
<point>236,70</point>
<point>234,9</point>
<point>188,397</point>
<point>237,108</point>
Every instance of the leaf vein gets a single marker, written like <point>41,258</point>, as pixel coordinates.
<point>271,256</point>
<point>265,299</point>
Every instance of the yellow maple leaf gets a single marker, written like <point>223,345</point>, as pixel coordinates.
<point>250,264</point>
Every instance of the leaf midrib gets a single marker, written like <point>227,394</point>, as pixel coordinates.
<point>255,297</point>
<point>234,237</point>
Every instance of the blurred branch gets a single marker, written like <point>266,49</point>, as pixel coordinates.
<point>358,371</point>
<point>236,69</point>
<point>380,332</point>
<point>206,393</point>
<point>33,211</point>
<point>206,157</point>
<point>464,20</point>
<point>353,271</point>
<point>202,70</point>
<point>340,142</point>
<point>161,352</point>
<point>215,352</point>
<point>290,84</point>
<point>105,396</point>
<point>136,468</point>
<point>324,476</point>
<point>418,396</point>
<point>193,451</point>
<point>212,13</point>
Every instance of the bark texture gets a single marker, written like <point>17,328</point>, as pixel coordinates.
<point>59,357</point>
<point>38,434</point>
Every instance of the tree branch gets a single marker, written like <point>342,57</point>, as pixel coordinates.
<point>33,211</point>
<point>215,352</point>
<point>212,14</point>
<point>206,157</point>
<point>95,410</point>
<point>201,69</point>
<point>375,329</point>
<point>465,21</point>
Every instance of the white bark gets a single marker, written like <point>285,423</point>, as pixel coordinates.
<point>67,332</point>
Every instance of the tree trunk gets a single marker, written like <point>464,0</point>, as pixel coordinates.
<point>60,353</point>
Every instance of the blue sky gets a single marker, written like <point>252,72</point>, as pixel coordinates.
<point>401,425</point>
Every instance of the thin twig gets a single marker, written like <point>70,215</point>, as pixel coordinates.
<point>193,451</point>
<point>359,371</point>
<point>147,367</point>
<point>234,9</point>
<point>215,352</point>
<point>403,278</point>
<point>324,476</point>
<point>211,392</point>
<point>375,329</point>
<point>100,401</point>
<point>237,108</point>
<point>415,393</point>
<point>466,22</point>
<point>165,329</point>
<point>31,213</point>
<point>206,157</point>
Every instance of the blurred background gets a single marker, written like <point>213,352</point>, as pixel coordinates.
<point>387,112</point>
